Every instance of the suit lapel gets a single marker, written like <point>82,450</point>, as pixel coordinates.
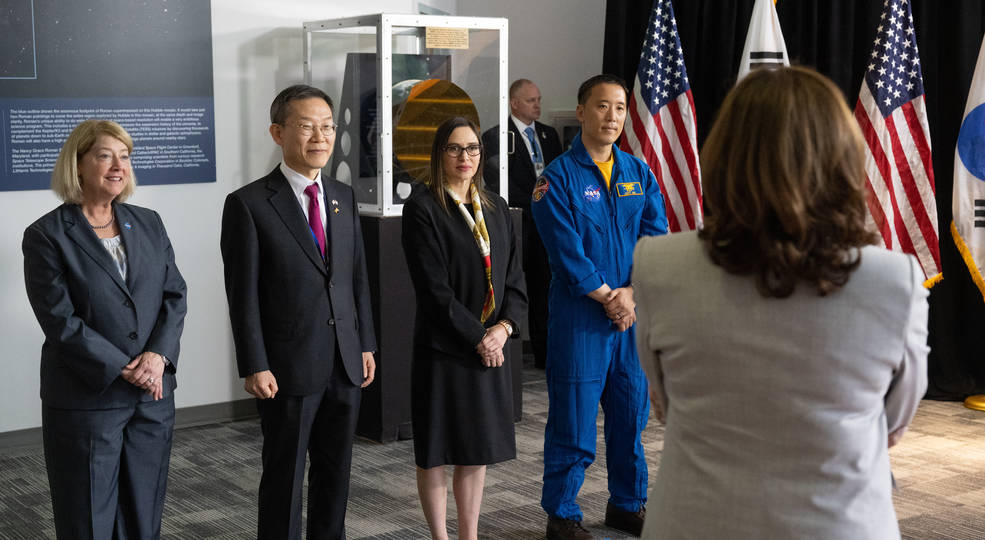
<point>331,205</point>
<point>132,242</point>
<point>541,134</point>
<point>286,205</point>
<point>520,148</point>
<point>77,228</point>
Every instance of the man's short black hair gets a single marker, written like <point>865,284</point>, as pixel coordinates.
<point>279,107</point>
<point>585,89</point>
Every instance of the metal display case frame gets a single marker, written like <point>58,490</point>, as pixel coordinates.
<point>386,26</point>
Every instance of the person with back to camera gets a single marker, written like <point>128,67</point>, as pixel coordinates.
<point>785,352</point>
<point>102,281</point>
<point>462,256</point>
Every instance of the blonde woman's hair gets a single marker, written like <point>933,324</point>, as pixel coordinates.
<point>65,180</point>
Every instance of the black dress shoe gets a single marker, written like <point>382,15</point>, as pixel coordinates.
<point>566,529</point>
<point>624,520</point>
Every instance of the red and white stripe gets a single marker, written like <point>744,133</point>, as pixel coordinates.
<point>901,193</point>
<point>667,142</point>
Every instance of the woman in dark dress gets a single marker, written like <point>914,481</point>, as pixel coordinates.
<point>463,261</point>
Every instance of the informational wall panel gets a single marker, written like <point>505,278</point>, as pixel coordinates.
<point>146,65</point>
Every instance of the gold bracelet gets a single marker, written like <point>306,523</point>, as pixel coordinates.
<point>506,326</point>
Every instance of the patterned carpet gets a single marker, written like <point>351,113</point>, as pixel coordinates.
<point>939,466</point>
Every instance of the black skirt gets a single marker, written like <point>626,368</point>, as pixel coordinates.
<point>462,412</point>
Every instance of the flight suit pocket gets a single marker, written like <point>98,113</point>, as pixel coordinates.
<point>590,223</point>
<point>630,209</point>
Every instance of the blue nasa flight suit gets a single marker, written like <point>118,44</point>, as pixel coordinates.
<point>590,234</point>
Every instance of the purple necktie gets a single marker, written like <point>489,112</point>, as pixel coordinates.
<point>314,217</point>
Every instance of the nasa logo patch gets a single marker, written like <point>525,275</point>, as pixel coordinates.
<point>593,193</point>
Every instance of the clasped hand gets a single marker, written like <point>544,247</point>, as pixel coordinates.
<point>263,384</point>
<point>490,349</point>
<point>621,308</point>
<point>146,372</point>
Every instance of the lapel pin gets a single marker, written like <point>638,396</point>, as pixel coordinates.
<point>126,225</point>
<point>335,204</point>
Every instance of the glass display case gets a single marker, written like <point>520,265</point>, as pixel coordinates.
<point>371,64</point>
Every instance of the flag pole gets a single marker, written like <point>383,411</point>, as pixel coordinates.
<point>968,194</point>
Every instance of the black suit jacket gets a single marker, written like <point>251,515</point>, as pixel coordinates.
<point>288,307</point>
<point>93,321</point>
<point>449,275</point>
<point>521,170</point>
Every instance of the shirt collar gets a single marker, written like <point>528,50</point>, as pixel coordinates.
<point>519,124</point>
<point>299,181</point>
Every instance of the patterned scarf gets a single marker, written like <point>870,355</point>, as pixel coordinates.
<point>481,234</point>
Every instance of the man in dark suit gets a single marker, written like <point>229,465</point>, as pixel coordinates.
<point>531,146</point>
<point>299,303</point>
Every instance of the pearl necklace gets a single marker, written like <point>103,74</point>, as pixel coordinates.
<point>112,218</point>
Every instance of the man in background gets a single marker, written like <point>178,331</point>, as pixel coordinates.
<point>531,146</point>
<point>299,303</point>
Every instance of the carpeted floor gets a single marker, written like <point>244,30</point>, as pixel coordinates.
<point>939,466</point>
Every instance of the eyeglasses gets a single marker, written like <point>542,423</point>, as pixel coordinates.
<point>455,150</point>
<point>308,129</point>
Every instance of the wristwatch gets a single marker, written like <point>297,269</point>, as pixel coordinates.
<point>508,326</point>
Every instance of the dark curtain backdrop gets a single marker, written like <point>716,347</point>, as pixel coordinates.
<point>835,37</point>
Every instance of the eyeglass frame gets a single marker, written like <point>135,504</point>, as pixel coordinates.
<point>308,128</point>
<point>449,149</point>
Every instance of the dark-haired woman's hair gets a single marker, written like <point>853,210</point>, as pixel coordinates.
<point>436,179</point>
<point>783,174</point>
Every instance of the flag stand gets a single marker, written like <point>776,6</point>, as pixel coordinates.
<point>976,403</point>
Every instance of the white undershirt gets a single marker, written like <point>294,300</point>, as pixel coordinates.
<point>114,245</point>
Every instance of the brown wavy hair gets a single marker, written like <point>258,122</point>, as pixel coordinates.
<point>783,174</point>
<point>436,174</point>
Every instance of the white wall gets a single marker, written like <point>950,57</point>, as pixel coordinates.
<point>555,43</point>
<point>257,51</point>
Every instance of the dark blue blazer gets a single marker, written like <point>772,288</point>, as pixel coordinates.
<point>289,308</point>
<point>93,321</point>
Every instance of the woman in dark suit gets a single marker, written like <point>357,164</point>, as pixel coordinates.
<point>102,281</point>
<point>462,254</point>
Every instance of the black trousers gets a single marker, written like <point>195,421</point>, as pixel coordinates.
<point>108,469</point>
<point>320,426</point>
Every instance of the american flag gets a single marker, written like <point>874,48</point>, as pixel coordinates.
<point>893,117</point>
<point>660,128</point>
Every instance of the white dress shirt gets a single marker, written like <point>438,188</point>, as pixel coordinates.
<point>298,184</point>
<point>521,127</point>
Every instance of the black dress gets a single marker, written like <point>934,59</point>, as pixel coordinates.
<point>462,412</point>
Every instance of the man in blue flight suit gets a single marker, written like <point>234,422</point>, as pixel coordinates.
<point>591,206</point>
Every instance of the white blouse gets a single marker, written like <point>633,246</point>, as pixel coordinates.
<point>114,246</point>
